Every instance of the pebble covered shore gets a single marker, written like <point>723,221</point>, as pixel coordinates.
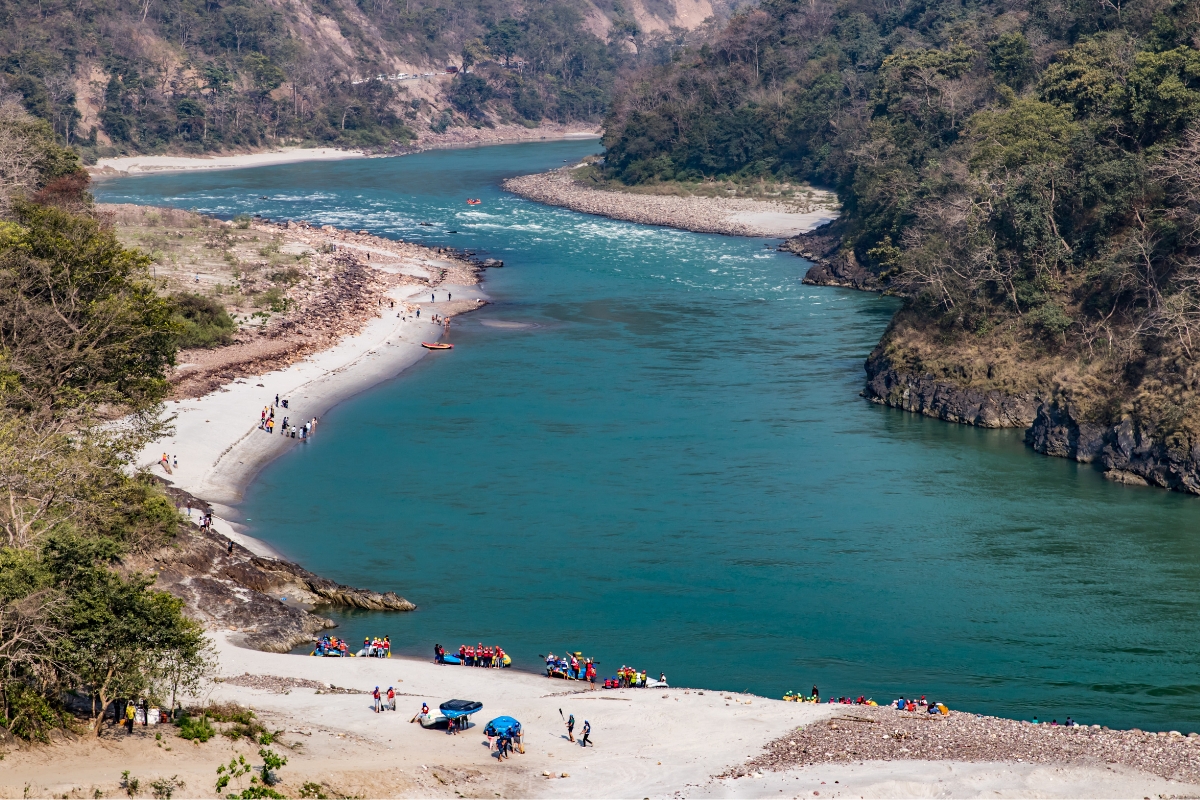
<point>723,215</point>
<point>882,733</point>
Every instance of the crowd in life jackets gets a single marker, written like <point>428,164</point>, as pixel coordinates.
<point>570,667</point>
<point>377,648</point>
<point>627,677</point>
<point>481,655</point>
<point>331,646</point>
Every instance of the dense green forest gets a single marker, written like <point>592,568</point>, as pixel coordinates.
<point>203,75</point>
<point>83,337</point>
<point>1026,173</point>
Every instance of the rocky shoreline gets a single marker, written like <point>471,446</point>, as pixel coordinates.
<point>268,602</point>
<point>1127,451</point>
<point>830,266</point>
<point>728,216</point>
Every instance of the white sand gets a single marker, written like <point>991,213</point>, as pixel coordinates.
<point>217,441</point>
<point>783,224</point>
<point>648,743</point>
<point>142,164</point>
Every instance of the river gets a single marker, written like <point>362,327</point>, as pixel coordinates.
<point>651,448</point>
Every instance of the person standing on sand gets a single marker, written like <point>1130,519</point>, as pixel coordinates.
<point>391,695</point>
<point>571,727</point>
<point>584,740</point>
<point>378,702</point>
<point>130,713</point>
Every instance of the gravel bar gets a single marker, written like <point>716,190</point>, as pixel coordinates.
<point>882,733</point>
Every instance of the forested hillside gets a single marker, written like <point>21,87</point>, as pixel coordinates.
<point>122,76</point>
<point>1026,174</point>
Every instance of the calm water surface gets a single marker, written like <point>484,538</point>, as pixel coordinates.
<point>652,448</point>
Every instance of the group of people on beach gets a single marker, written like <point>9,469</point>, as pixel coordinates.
<point>570,667</point>
<point>391,700</point>
<point>267,423</point>
<point>377,648</point>
<point>628,677</point>
<point>331,646</point>
<point>921,705</point>
<point>480,655</point>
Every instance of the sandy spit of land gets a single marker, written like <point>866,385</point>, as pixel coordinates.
<point>647,743</point>
<point>134,165</point>
<point>451,137</point>
<point>724,215</point>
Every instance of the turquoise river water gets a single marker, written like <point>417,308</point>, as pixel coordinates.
<point>665,463</point>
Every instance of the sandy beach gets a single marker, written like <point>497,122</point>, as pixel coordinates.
<point>647,743</point>
<point>730,216</point>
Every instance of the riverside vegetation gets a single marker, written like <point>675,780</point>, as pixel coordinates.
<point>105,587</point>
<point>84,338</point>
<point>1024,174</point>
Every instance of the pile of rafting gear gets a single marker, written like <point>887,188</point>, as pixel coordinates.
<point>796,697</point>
<point>333,647</point>
<point>571,666</point>
<point>376,648</point>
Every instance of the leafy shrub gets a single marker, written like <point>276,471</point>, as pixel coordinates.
<point>202,322</point>
<point>163,788</point>
<point>196,729</point>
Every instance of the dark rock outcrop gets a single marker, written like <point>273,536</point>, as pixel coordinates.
<point>832,266</point>
<point>1056,432</point>
<point>926,394</point>
<point>1130,452</point>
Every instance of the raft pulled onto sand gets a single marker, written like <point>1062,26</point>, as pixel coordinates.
<point>437,345</point>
